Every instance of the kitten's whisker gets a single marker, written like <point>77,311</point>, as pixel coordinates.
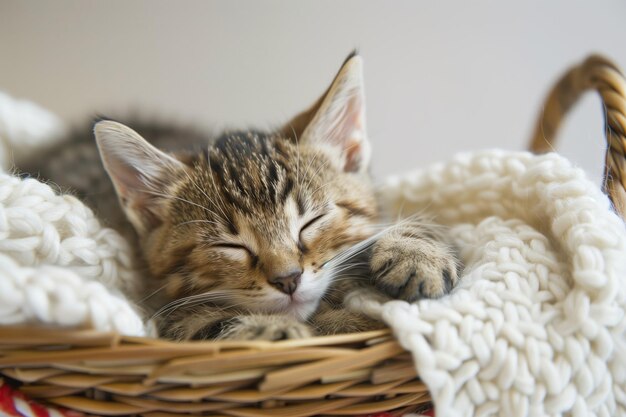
<point>340,278</point>
<point>183,200</point>
<point>152,294</point>
<point>418,217</point>
<point>357,249</point>
<point>344,267</point>
<point>329,266</point>
<point>198,221</point>
<point>185,303</point>
<point>352,251</point>
<point>199,298</point>
<point>318,189</point>
<point>340,268</point>
<point>347,264</point>
<point>324,298</point>
<point>338,292</point>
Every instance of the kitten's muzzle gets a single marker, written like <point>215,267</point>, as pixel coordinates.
<point>287,283</point>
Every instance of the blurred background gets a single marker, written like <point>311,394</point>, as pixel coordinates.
<point>441,77</point>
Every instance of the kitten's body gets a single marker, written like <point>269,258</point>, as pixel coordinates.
<point>244,236</point>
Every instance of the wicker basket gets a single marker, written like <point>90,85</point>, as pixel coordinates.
<point>356,374</point>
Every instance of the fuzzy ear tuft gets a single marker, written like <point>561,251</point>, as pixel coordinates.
<point>139,171</point>
<point>339,119</point>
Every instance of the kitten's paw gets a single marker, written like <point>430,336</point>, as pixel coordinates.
<point>409,269</point>
<point>259,327</point>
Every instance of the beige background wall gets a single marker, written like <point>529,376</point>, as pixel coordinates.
<point>440,76</point>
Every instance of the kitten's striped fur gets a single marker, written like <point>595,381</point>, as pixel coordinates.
<point>234,236</point>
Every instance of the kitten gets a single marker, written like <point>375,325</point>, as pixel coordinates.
<point>261,235</point>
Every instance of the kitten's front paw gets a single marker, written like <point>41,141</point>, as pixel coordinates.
<point>259,327</point>
<point>409,269</point>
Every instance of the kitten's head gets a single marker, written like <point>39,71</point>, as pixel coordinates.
<point>250,220</point>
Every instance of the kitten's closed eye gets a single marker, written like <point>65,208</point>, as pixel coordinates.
<point>308,231</point>
<point>234,250</point>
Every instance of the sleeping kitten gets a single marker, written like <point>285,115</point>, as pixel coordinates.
<point>260,235</point>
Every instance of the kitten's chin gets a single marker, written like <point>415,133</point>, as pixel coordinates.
<point>295,307</point>
<point>302,310</point>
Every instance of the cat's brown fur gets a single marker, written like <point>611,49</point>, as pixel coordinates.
<point>244,239</point>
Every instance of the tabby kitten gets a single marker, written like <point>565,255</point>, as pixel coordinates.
<point>262,235</point>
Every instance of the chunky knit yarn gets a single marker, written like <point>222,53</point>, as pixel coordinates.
<point>537,325</point>
<point>58,265</point>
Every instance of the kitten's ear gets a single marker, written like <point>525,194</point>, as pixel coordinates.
<point>139,171</point>
<point>337,119</point>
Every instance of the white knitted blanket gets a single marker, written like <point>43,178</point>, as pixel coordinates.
<point>536,327</point>
<point>58,266</point>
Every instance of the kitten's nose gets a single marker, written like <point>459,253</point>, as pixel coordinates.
<point>287,283</point>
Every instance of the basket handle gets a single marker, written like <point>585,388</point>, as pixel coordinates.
<point>600,74</point>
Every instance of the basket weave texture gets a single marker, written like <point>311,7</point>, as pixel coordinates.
<point>105,374</point>
<point>108,374</point>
